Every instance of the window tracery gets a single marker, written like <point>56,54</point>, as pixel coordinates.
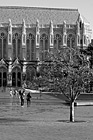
<point>16,46</point>
<point>71,40</point>
<point>30,42</point>
<point>43,46</point>
<point>57,41</point>
<point>3,43</point>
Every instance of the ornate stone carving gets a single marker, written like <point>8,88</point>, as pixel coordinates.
<point>64,34</point>
<point>10,33</point>
<point>64,27</point>
<point>37,34</point>
<point>10,66</point>
<point>23,33</point>
<point>51,34</point>
<point>37,26</point>
<point>16,64</point>
<point>78,28</point>
<point>3,63</point>
<point>78,33</point>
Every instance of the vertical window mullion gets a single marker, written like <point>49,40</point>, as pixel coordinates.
<point>43,49</point>
<point>46,48</point>
<point>57,43</point>
<point>30,49</point>
<point>16,47</point>
<point>27,51</point>
<point>2,48</point>
<point>2,77</point>
<point>68,42</point>
<point>19,47</point>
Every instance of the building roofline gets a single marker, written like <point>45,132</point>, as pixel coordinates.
<point>43,8</point>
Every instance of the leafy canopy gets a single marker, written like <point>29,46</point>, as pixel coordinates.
<point>66,71</point>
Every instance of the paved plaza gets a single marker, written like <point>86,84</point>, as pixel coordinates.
<point>47,118</point>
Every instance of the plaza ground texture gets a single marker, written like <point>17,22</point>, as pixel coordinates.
<point>47,118</point>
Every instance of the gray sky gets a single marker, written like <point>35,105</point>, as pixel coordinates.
<point>85,7</point>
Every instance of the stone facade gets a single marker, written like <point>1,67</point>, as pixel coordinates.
<point>27,34</point>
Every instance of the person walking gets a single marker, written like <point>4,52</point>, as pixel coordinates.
<point>22,95</point>
<point>11,96</point>
<point>28,98</point>
<point>11,92</point>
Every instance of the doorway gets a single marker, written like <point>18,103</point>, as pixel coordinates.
<point>16,77</point>
<point>3,77</point>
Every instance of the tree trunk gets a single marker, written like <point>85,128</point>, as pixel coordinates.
<point>72,111</point>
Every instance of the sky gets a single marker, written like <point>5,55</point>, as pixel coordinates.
<point>85,7</point>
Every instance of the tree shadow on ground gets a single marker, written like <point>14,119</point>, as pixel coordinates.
<point>67,121</point>
<point>9,120</point>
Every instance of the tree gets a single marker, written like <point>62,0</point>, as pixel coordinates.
<point>89,53</point>
<point>68,72</point>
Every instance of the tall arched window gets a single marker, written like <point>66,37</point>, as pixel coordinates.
<point>57,41</point>
<point>71,41</point>
<point>30,43</point>
<point>16,46</point>
<point>43,46</point>
<point>3,43</point>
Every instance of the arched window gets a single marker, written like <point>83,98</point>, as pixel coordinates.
<point>3,43</point>
<point>71,40</point>
<point>78,39</point>
<point>19,79</point>
<point>80,24</point>
<point>19,47</point>
<point>43,46</point>
<point>57,41</point>
<point>85,39</point>
<point>30,43</point>
<point>16,46</point>
<point>28,49</point>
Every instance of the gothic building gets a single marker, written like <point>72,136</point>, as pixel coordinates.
<point>27,34</point>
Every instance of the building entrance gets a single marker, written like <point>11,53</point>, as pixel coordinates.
<point>3,77</point>
<point>16,77</point>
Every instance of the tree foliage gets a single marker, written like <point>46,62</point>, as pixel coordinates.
<point>67,71</point>
<point>89,53</point>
